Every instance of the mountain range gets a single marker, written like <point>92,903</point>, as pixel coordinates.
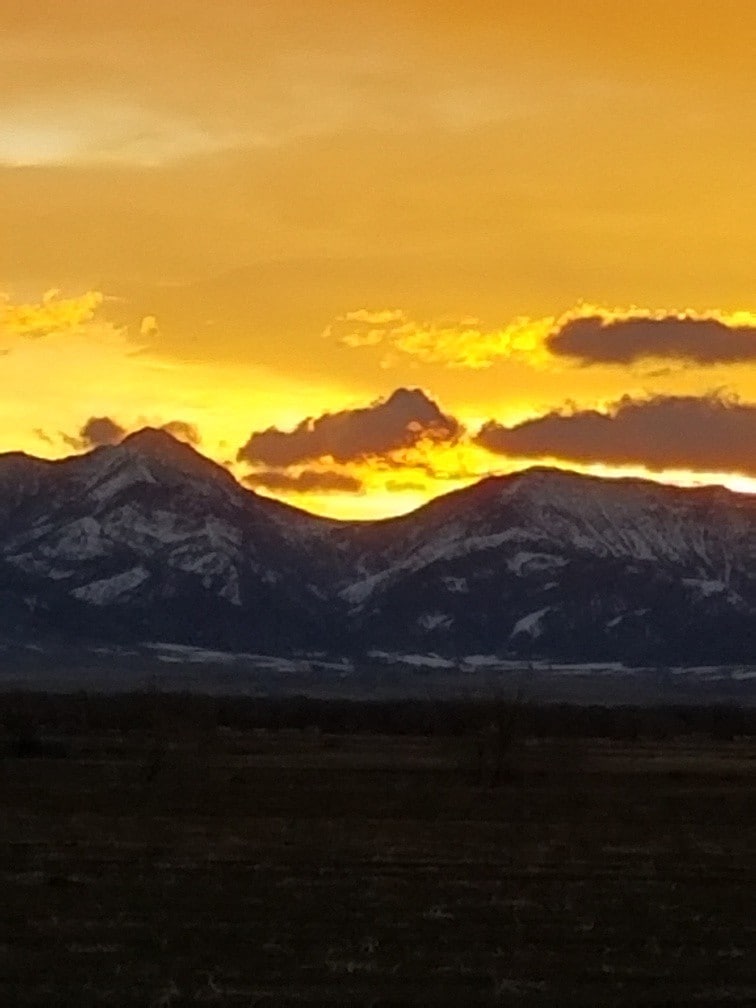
<point>150,540</point>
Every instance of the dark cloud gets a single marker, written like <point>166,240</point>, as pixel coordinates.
<point>307,481</point>
<point>707,434</point>
<point>182,431</point>
<point>428,468</point>
<point>600,340</point>
<point>403,420</point>
<point>405,486</point>
<point>99,431</point>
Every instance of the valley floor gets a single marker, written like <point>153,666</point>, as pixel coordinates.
<point>188,864</point>
<point>377,675</point>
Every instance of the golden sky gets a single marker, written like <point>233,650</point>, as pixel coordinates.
<point>535,220</point>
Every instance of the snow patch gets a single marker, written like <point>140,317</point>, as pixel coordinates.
<point>230,590</point>
<point>705,587</point>
<point>425,661</point>
<point>79,540</point>
<point>525,562</point>
<point>435,621</point>
<point>481,661</point>
<point>125,475</point>
<point>415,660</point>
<point>106,591</point>
<point>32,565</point>
<point>452,544</point>
<point>530,624</point>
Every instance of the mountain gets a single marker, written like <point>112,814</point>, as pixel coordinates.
<point>149,540</point>
<point>551,563</point>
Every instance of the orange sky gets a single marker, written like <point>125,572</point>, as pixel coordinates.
<point>242,215</point>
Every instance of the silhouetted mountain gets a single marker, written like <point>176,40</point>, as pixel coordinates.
<point>151,540</point>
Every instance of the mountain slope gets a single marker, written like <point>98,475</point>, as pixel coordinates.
<point>150,540</point>
<point>149,537</point>
<point>549,562</point>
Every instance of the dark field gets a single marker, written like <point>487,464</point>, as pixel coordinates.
<point>152,855</point>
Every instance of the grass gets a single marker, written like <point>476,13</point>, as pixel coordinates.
<point>184,865</point>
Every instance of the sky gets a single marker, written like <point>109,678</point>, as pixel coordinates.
<point>363,253</point>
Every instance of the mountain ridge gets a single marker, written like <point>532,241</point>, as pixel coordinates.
<point>156,442</point>
<point>149,539</point>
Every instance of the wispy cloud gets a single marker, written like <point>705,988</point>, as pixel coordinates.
<point>53,314</point>
<point>453,343</point>
<point>305,481</point>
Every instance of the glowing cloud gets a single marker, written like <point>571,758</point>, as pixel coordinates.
<point>52,314</point>
<point>587,333</point>
<point>404,420</point>
<point>453,343</point>
<point>148,327</point>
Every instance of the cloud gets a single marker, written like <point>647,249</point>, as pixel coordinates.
<point>182,431</point>
<point>703,434</point>
<point>587,333</point>
<point>98,431</point>
<point>453,343</point>
<point>405,486</point>
<point>42,434</point>
<point>367,328</point>
<point>103,430</point>
<point>405,420</point>
<point>305,481</point>
<point>605,338</point>
<point>52,314</point>
<point>148,327</point>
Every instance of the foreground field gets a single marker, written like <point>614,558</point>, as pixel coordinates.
<point>191,863</point>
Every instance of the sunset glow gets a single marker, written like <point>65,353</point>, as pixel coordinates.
<point>366,256</point>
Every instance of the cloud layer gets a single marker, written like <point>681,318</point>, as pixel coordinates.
<point>603,339</point>
<point>703,434</point>
<point>449,342</point>
<point>402,421</point>
<point>304,482</point>
<point>587,334</point>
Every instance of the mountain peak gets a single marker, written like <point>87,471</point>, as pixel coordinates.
<point>160,445</point>
<point>155,441</point>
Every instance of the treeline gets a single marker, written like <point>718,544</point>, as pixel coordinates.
<point>26,714</point>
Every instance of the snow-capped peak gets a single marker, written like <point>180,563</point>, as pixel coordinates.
<point>540,561</point>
